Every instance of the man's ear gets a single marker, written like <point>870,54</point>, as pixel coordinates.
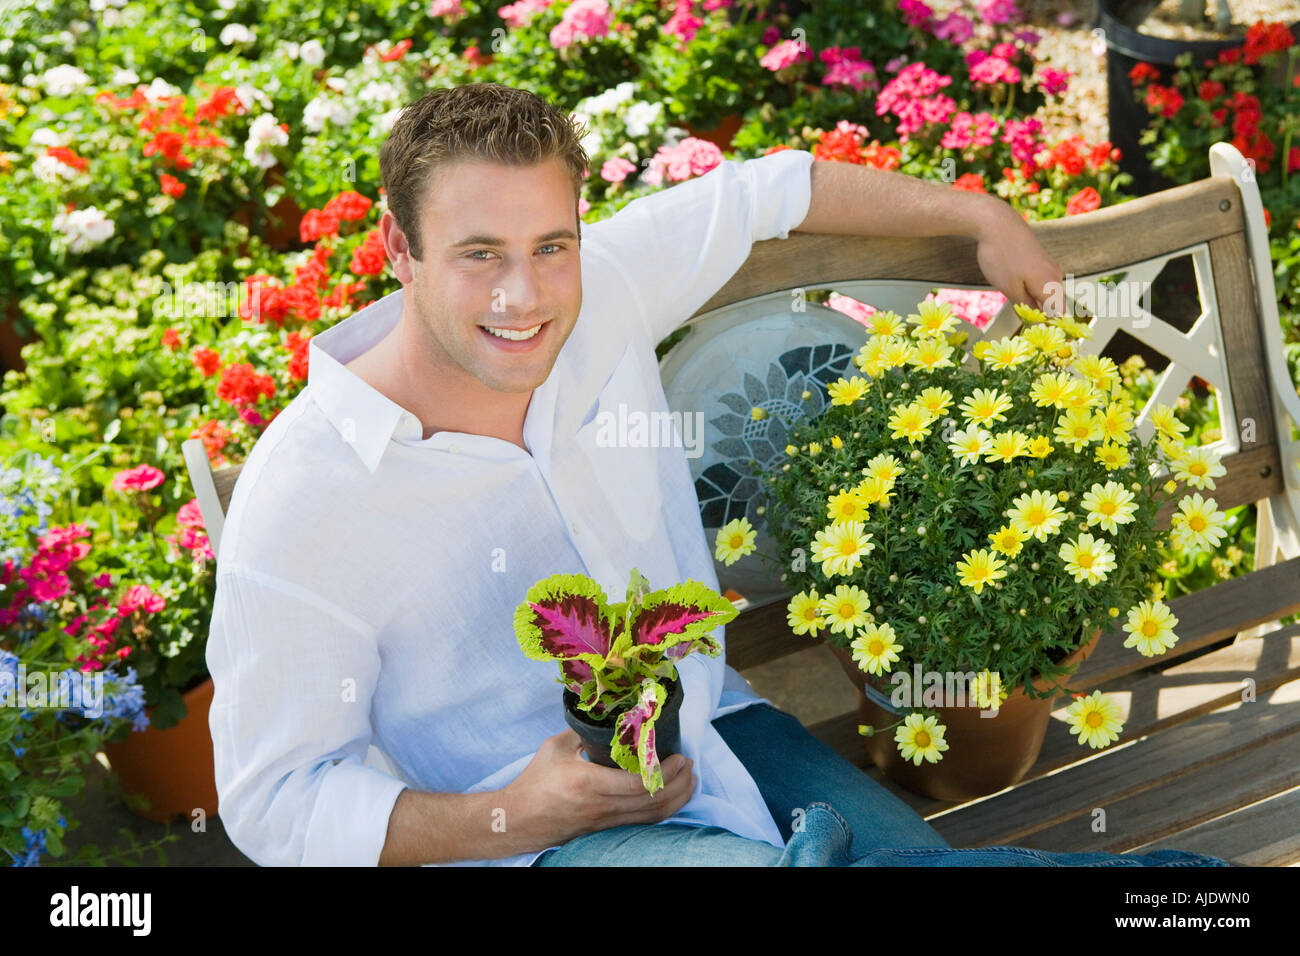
<point>396,247</point>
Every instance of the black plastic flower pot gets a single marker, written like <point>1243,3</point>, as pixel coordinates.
<point>1125,48</point>
<point>597,736</point>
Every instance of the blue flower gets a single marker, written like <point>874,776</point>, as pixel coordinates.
<point>35,847</point>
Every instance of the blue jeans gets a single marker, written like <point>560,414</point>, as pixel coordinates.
<point>853,822</point>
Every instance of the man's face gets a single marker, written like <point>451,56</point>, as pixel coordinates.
<point>500,251</point>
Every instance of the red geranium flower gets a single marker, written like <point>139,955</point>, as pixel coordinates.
<point>206,360</point>
<point>970,182</point>
<point>1143,72</point>
<point>1085,200</point>
<point>172,186</point>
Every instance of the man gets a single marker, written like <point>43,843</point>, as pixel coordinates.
<point>371,702</point>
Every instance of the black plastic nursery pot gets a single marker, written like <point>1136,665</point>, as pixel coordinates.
<point>1125,48</point>
<point>598,735</point>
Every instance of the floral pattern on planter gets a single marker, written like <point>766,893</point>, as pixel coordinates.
<point>728,489</point>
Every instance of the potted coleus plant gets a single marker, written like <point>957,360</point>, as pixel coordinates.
<point>963,526</point>
<point>618,662</point>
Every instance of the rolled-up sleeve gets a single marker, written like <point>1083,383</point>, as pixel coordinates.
<point>677,247</point>
<point>293,677</point>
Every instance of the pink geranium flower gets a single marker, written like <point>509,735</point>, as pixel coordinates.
<point>786,53</point>
<point>683,24</point>
<point>139,596</point>
<point>690,157</point>
<point>845,66</point>
<point>140,478</point>
<point>520,14</point>
<point>582,20</point>
<point>190,516</point>
<point>616,169</point>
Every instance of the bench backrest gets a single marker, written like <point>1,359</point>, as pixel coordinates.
<point>1235,346</point>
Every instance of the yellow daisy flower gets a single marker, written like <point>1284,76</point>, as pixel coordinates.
<point>837,442</point>
<point>1036,513</point>
<point>1151,628</point>
<point>1116,422</point>
<point>1051,388</point>
<point>1109,505</point>
<point>1040,447</point>
<point>921,738</point>
<point>1045,338</point>
<point>969,443</point>
<point>814,448</point>
<point>803,616</point>
<point>846,506</point>
<point>869,355</point>
<point>848,391</point>
<point>935,400</point>
<point>886,323</point>
<point>910,421</point>
<point>1199,467</point>
<point>1096,719</point>
<point>1008,540</point>
<point>981,567</point>
<point>1028,313</point>
<point>988,692</point>
<point>840,548</point>
<point>897,352</point>
<point>1075,330</point>
<point>1007,352</point>
<point>872,489</point>
<point>876,648</point>
<point>735,540</point>
<point>1198,523</point>
<point>1097,369</point>
<point>1087,558</point>
<point>1112,456</point>
<point>932,353</point>
<point>985,406</point>
<point>933,318</point>
<point>846,610</point>
<point>1165,422</point>
<point>1006,446</point>
<point>884,466</point>
<point>1082,395</point>
<point>1077,427</point>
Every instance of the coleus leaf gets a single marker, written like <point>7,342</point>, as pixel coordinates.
<point>565,618</point>
<point>633,746</point>
<point>677,621</point>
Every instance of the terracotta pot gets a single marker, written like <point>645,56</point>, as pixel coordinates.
<point>173,768</point>
<point>722,134</point>
<point>985,755</point>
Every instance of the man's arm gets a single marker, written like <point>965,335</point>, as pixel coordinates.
<point>848,199</point>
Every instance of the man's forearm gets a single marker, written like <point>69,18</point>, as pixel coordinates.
<point>427,827</point>
<point>848,199</point>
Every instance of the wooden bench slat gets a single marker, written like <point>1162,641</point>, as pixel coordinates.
<point>1222,760</point>
<point>1263,834</point>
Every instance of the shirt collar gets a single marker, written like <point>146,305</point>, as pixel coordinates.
<point>363,417</point>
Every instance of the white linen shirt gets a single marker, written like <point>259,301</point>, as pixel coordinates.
<point>362,635</point>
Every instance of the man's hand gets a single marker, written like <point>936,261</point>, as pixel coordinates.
<point>559,795</point>
<point>1014,261</point>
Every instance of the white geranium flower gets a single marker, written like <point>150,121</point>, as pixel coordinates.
<point>375,93</point>
<point>641,116</point>
<point>50,170</point>
<point>234,33</point>
<point>291,49</point>
<point>385,122</point>
<point>263,136</point>
<point>125,78</point>
<point>160,90</point>
<point>64,80</point>
<point>312,53</point>
<point>46,137</point>
<point>324,108</point>
<point>84,228</point>
<point>250,95</point>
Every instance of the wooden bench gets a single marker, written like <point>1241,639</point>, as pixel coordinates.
<point>1197,767</point>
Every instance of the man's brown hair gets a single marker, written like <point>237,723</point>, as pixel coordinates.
<point>474,121</point>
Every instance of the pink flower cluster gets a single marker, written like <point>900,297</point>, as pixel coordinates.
<point>916,13</point>
<point>684,24</point>
<point>1023,137</point>
<point>192,536</point>
<point>913,96</point>
<point>521,13</point>
<point>999,11</point>
<point>844,65</point>
<point>967,130</point>
<point>582,20</point>
<point>786,53</point>
<point>1053,82</point>
<point>955,28</point>
<point>690,157</point>
<point>138,597</point>
<point>616,169</point>
<point>45,578</point>
<point>988,69</point>
<point>140,478</point>
<point>977,306</point>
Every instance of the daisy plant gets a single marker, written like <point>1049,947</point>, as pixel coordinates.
<point>616,658</point>
<point>981,510</point>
